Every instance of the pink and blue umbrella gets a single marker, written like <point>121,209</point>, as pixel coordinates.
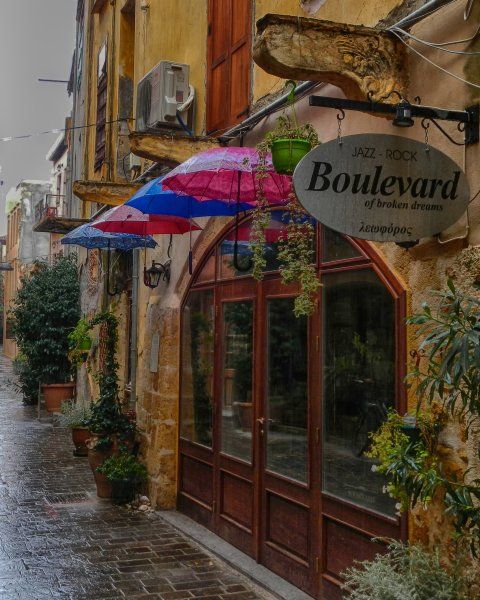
<point>232,175</point>
<point>229,174</point>
<point>154,199</point>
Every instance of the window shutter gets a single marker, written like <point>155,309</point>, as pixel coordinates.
<point>228,63</point>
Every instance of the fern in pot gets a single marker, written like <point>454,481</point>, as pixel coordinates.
<point>76,416</point>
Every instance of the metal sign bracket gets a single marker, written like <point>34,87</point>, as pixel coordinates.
<point>468,120</point>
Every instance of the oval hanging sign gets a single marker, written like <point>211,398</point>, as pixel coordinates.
<point>383,188</point>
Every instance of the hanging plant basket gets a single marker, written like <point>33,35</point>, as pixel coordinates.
<point>288,152</point>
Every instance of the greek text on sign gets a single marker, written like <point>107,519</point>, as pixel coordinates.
<point>384,188</point>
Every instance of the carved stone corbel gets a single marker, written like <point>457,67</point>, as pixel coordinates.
<point>105,192</point>
<point>167,149</point>
<point>364,63</point>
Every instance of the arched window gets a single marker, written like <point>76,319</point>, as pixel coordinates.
<point>276,411</point>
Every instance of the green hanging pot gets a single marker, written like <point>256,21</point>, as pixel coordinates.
<point>287,153</point>
<point>85,345</point>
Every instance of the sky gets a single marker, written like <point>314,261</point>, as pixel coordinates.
<point>37,39</point>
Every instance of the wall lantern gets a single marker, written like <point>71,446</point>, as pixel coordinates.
<point>403,115</point>
<point>158,271</point>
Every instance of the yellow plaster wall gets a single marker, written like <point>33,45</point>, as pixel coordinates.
<point>177,31</point>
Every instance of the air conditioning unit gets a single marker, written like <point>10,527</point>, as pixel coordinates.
<point>163,91</point>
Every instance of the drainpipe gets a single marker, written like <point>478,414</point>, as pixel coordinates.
<point>420,13</point>
<point>134,326</point>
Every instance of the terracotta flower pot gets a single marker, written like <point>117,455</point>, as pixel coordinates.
<point>96,458</point>
<point>55,394</point>
<point>104,487</point>
<point>80,435</point>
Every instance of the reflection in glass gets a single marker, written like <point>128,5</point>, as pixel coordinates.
<point>197,368</point>
<point>275,230</point>
<point>359,383</point>
<point>336,247</point>
<point>207,272</point>
<point>237,402</point>
<point>287,391</point>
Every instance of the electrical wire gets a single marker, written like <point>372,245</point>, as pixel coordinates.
<point>435,46</point>
<point>457,77</point>
<point>12,138</point>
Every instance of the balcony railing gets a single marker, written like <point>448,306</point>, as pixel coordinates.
<point>52,206</point>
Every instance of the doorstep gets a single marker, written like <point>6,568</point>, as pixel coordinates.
<point>260,575</point>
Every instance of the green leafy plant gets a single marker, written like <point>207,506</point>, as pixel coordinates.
<point>79,341</point>
<point>411,466</point>
<point>106,417</point>
<point>409,572</point>
<point>124,466</point>
<point>296,253</point>
<point>45,310</point>
<point>25,380</point>
<point>287,127</point>
<point>446,380</point>
<point>74,415</point>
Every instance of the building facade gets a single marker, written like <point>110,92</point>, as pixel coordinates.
<point>23,245</point>
<point>254,422</point>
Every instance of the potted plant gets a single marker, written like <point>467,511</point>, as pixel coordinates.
<point>45,310</point>
<point>76,417</point>
<point>125,474</point>
<point>289,142</point>
<point>111,431</point>
<point>80,342</point>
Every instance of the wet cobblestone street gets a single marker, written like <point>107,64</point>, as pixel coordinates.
<point>85,548</point>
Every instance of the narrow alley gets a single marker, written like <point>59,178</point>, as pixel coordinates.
<point>57,540</point>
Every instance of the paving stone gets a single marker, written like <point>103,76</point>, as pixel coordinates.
<point>89,550</point>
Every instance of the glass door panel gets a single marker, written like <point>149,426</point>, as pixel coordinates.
<point>236,376</point>
<point>197,368</point>
<point>287,395</point>
<point>359,383</point>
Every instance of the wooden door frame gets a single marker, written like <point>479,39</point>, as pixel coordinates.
<point>371,259</point>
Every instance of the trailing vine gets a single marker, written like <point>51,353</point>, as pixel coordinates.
<point>107,417</point>
<point>296,245</point>
<point>447,384</point>
<point>296,253</point>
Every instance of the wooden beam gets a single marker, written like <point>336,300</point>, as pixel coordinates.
<point>169,149</point>
<point>105,192</point>
<point>365,63</point>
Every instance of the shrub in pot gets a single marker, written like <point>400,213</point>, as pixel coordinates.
<point>45,310</point>
<point>111,430</point>
<point>126,476</point>
<point>76,417</point>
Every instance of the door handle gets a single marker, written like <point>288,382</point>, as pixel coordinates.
<point>261,422</point>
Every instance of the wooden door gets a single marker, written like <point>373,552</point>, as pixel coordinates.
<point>228,80</point>
<point>288,534</point>
<point>235,506</point>
<point>361,374</point>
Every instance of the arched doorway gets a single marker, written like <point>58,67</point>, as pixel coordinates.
<point>275,410</point>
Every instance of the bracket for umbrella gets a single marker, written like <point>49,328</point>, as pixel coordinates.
<point>115,291</point>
